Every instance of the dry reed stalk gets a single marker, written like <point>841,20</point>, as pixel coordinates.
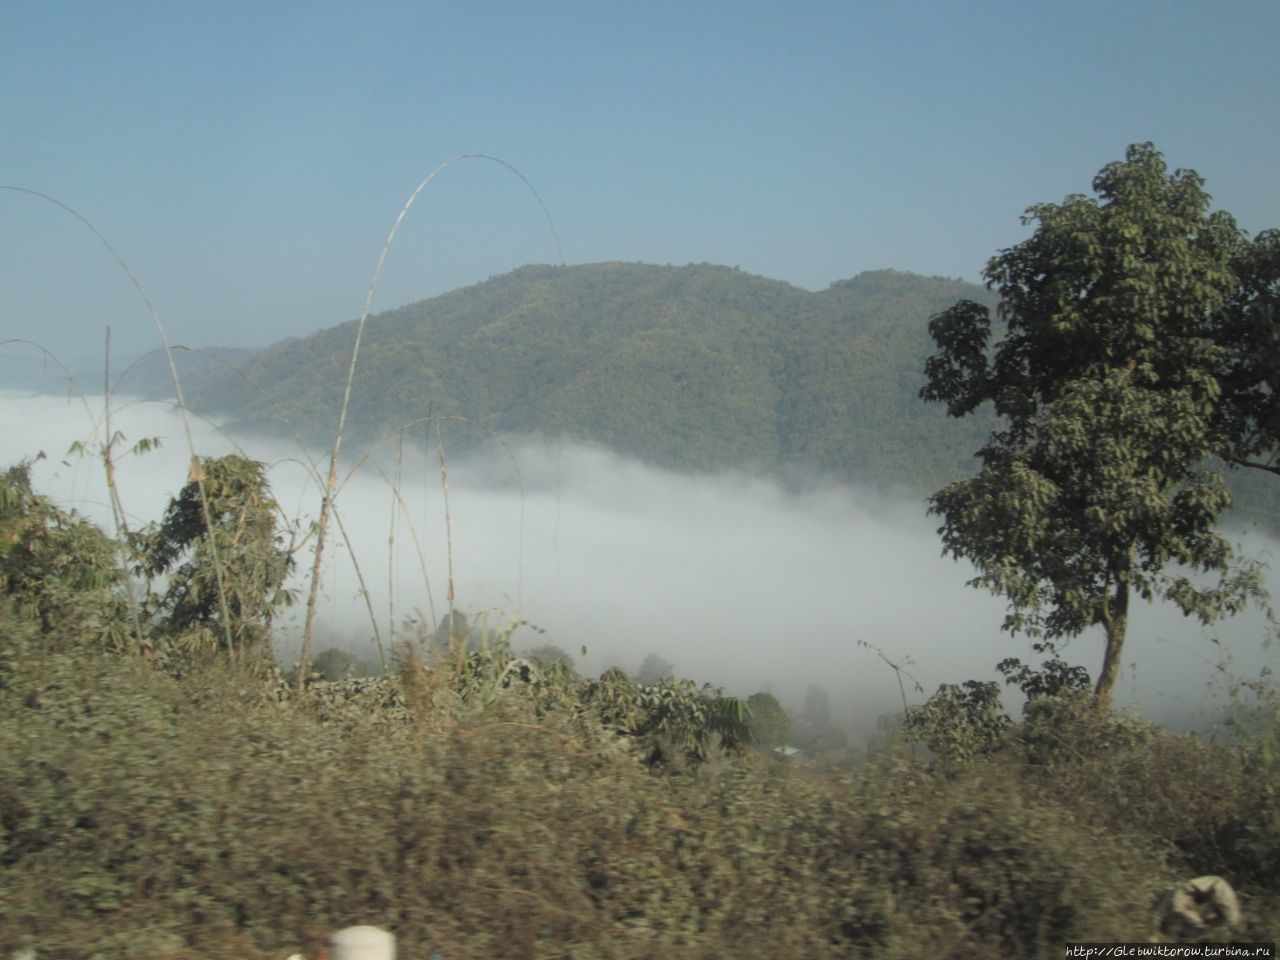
<point>326,503</point>
<point>391,545</point>
<point>448,520</point>
<point>430,421</point>
<point>113,491</point>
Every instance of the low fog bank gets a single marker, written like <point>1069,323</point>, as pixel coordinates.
<point>732,579</point>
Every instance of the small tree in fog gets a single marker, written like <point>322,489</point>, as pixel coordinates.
<point>814,729</point>
<point>654,669</point>
<point>337,664</point>
<point>547,654</point>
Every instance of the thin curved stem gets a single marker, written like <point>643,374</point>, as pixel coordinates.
<point>330,484</point>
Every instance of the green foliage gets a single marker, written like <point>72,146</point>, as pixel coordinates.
<point>1054,677</point>
<point>243,558</point>
<point>490,805</point>
<point>960,723</point>
<point>695,368</point>
<point>60,571</point>
<point>1259,744</point>
<point>674,721</point>
<point>1106,379</point>
<point>1213,810</point>
<point>670,724</point>
<point>1249,335</point>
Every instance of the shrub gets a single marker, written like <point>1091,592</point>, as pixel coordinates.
<point>216,815</point>
<point>225,560</point>
<point>60,571</point>
<point>959,723</point>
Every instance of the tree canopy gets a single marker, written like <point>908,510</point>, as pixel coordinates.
<point>1249,417</point>
<point>1121,371</point>
<point>234,549</point>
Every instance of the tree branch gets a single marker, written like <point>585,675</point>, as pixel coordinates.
<point>1241,462</point>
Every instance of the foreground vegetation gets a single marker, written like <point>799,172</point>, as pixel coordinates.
<point>177,798</point>
<point>213,815</point>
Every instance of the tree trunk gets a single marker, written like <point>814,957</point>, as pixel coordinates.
<point>1115,620</point>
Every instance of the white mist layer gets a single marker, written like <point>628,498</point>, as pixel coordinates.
<point>732,579</point>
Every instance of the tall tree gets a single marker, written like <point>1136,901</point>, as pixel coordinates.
<point>1106,379</point>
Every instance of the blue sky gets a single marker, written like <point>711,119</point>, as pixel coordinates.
<point>247,159</point>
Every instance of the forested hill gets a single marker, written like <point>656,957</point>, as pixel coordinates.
<point>697,367</point>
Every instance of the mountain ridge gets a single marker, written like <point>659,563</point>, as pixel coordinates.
<point>701,367</point>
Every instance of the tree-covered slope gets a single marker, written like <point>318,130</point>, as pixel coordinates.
<point>697,367</point>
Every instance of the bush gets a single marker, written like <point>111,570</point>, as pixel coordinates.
<point>215,816</point>
<point>1211,809</point>
<point>61,572</point>
<point>224,557</point>
<point>959,723</point>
